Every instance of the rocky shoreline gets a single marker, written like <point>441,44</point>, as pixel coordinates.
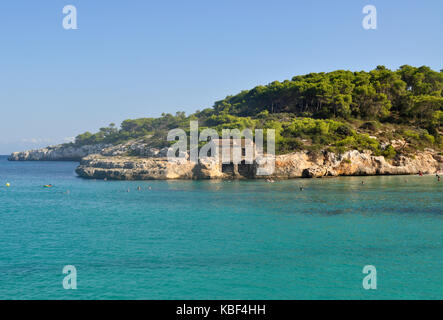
<point>295,165</point>
<point>137,161</point>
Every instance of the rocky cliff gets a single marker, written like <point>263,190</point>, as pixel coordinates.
<point>354,163</point>
<point>136,168</point>
<point>295,165</point>
<point>137,160</point>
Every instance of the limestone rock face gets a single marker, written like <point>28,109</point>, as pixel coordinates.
<point>137,168</point>
<point>296,165</point>
<point>57,153</point>
<point>132,168</point>
<point>208,168</point>
<point>314,172</point>
<point>353,163</point>
<point>292,165</point>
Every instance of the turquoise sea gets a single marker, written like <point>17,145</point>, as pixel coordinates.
<point>217,240</point>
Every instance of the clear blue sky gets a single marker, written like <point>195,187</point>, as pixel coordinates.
<point>135,58</point>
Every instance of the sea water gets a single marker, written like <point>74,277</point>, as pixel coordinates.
<point>217,239</point>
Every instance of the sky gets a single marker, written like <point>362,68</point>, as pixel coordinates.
<point>140,58</point>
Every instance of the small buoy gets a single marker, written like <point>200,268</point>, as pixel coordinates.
<point>8,184</point>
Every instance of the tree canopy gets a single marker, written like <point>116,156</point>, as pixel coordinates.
<point>409,96</point>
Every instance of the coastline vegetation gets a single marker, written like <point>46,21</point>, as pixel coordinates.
<point>338,111</point>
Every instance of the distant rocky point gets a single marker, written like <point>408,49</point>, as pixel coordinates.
<point>57,153</point>
<point>71,152</point>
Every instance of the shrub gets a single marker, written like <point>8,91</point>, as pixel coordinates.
<point>411,134</point>
<point>371,125</point>
<point>389,152</point>
<point>428,138</point>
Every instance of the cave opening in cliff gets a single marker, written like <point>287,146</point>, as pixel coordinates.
<point>242,169</point>
<point>228,168</point>
<point>245,170</point>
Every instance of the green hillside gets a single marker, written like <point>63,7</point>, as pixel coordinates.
<point>339,110</point>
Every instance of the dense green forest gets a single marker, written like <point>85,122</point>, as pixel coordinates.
<point>338,110</point>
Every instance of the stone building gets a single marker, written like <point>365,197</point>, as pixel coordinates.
<point>236,157</point>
